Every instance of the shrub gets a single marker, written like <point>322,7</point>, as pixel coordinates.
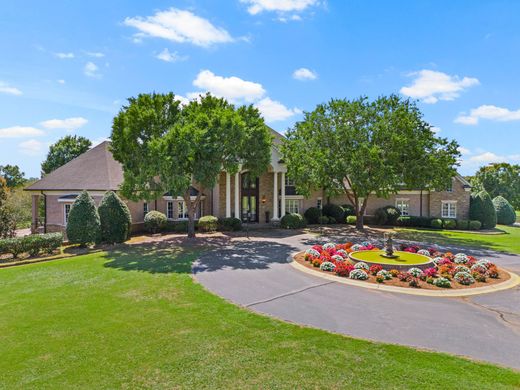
<point>405,221</point>
<point>358,274</point>
<point>83,226</point>
<point>208,223</point>
<point>292,221</point>
<point>229,224</point>
<point>464,278</point>
<point>483,210</point>
<point>442,282</point>
<point>343,269</point>
<point>394,272</point>
<point>461,268</point>
<point>323,220</point>
<point>374,269</point>
<point>385,274</point>
<point>155,221</point>
<point>449,223</point>
<point>436,223</point>
<point>32,244</point>
<point>351,219</point>
<point>414,282</point>
<point>463,224</point>
<point>380,216</point>
<point>461,258</point>
<point>14,246</point>
<point>493,272</point>
<point>348,209</point>
<point>334,211</point>
<point>380,279</point>
<point>115,218</point>
<point>392,213</point>
<point>327,266</point>
<point>361,265</point>
<point>505,212</point>
<point>474,225</point>
<point>415,272</point>
<point>312,215</point>
<point>51,241</point>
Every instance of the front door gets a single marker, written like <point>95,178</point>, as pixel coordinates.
<point>249,198</point>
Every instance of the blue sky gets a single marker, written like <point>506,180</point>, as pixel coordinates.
<point>68,66</point>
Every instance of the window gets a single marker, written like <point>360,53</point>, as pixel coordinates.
<point>169,210</point>
<point>182,210</point>
<point>319,203</point>
<point>66,211</point>
<point>403,205</point>
<point>289,182</point>
<point>292,206</point>
<point>145,208</point>
<point>449,209</point>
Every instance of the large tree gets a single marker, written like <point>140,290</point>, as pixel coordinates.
<point>499,179</point>
<point>166,147</point>
<point>363,149</point>
<point>13,176</point>
<point>64,150</point>
<point>7,217</point>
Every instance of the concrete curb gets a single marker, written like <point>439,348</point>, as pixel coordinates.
<point>510,283</point>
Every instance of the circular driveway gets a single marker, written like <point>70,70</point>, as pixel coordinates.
<point>254,273</point>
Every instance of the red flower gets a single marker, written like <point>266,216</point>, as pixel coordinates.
<point>374,269</point>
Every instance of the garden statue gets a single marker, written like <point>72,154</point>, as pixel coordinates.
<point>389,246</point>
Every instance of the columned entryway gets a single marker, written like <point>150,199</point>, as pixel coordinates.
<point>276,214</point>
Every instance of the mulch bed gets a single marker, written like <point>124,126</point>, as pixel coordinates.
<point>502,277</point>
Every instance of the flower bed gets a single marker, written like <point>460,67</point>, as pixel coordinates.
<point>448,270</point>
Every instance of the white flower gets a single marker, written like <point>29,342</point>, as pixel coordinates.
<point>329,245</point>
<point>327,266</point>
<point>415,272</point>
<point>423,252</point>
<point>361,265</point>
<point>358,274</point>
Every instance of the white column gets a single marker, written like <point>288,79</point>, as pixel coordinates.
<point>275,196</point>
<point>237,188</point>
<point>283,193</point>
<point>228,195</point>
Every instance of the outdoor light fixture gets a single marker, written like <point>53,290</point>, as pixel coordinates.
<point>263,199</point>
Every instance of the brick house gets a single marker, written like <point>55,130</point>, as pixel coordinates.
<point>264,199</point>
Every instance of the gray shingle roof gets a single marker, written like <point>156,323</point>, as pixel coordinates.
<point>94,170</point>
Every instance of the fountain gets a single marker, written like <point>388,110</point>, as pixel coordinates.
<point>389,247</point>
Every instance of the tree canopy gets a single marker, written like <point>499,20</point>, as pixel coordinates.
<point>499,179</point>
<point>13,176</point>
<point>7,217</point>
<point>361,148</point>
<point>64,150</point>
<point>166,147</point>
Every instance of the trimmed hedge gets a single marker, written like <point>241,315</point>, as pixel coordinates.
<point>505,212</point>
<point>155,221</point>
<point>380,216</point>
<point>115,219</point>
<point>208,223</point>
<point>474,225</point>
<point>293,221</point>
<point>83,225</point>
<point>449,223</point>
<point>312,215</point>
<point>324,220</point>
<point>436,223</point>
<point>483,210</point>
<point>392,213</point>
<point>462,224</point>
<point>229,224</point>
<point>33,244</point>
<point>332,210</point>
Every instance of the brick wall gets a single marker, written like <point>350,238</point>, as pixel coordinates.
<point>459,194</point>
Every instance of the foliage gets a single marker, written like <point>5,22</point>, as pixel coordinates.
<point>32,244</point>
<point>364,149</point>
<point>13,176</point>
<point>348,210</point>
<point>474,225</point>
<point>83,226</point>
<point>351,219</point>
<point>176,226</point>
<point>442,282</point>
<point>208,223</point>
<point>229,224</point>
<point>164,147</point>
<point>7,216</point>
<point>154,221</point>
<point>464,278</point>
<point>462,224</point>
<point>312,215</point>
<point>380,216</point>
<point>332,210</point>
<point>63,151</point>
<point>436,223</point>
<point>505,213</point>
<point>358,274</point>
<point>292,221</point>
<point>115,218</point>
<point>449,223</point>
<point>361,265</point>
<point>20,203</point>
<point>323,220</point>
<point>483,210</point>
<point>392,214</point>
<point>327,266</point>
<point>499,179</point>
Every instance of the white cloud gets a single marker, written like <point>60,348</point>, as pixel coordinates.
<point>61,81</point>
<point>258,6</point>
<point>184,101</point>
<point>436,129</point>
<point>464,150</point>
<point>431,86</point>
<point>304,74</point>
<point>95,54</point>
<point>179,26</point>
<point>489,112</point>
<point>91,70</point>
<point>67,124</point>
<point>20,132</point>
<point>64,56</point>
<point>32,147</point>
<point>472,161</point>
<point>99,140</point>
<point>8,89</point>
<point>232,88</point>
<point>168,56</point>
<point>273,111</point>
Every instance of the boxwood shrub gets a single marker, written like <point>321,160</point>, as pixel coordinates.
<point>323,220</point>
<point>462,224</point>
<point>380,216</point>
<point>332,210</point>
<point>154,221</point>
<point>474,225</point>
<point>505,212</point>
<point>229,224</point>
<point>436,223</point>
<point>312,215</point>
<point>292,221</point>
<point>115,218</point>
<point>32,244</point>
<point>449,223</point>
<point>208,223</point>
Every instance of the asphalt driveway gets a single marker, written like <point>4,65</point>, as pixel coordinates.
<point>255,273</point>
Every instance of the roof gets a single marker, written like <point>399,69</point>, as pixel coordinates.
<point>93,170</point>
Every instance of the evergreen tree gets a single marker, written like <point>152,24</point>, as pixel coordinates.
<point>83,226</point>
<point>115,218</point>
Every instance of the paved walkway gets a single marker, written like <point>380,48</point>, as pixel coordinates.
<point>254,273</point>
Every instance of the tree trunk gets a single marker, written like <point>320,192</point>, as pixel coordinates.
<point>191,222</point>
<point>420,204</point>
<point>359,220</point>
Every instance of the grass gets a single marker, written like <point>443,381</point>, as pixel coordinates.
<point>134,318</point>
<point>508,240</point>
<point>517,215</point>
<point>405,258</point>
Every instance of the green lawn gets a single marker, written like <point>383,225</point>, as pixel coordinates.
<point>517,215</point>
<point>134,318</point>
<point>507,241</point>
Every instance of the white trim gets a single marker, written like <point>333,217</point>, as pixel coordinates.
<point>293,197</point>
<point>179,198</point>
<point>407,200</point>
<point>275,196</point>
<point>66,200</point>
<point>72,192</point>
<point>237,195</point>
<point>282,182</point>
<point>450,202</point>
<point>65,213</point>
<point>228,195</point>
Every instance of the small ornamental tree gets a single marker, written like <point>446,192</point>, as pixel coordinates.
<point>363,149</point>
<point>115,219</point>
<point>166,147</point>
<point>83,225</point>
<point>505,212</point>
<point>483,210</point>
<point>7,216</point>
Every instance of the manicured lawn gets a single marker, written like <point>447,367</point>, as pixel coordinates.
<point>508,241</point>
<point>517,215</point>
<point>134,318</point>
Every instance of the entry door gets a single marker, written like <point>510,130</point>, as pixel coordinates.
<point>249,198</point>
